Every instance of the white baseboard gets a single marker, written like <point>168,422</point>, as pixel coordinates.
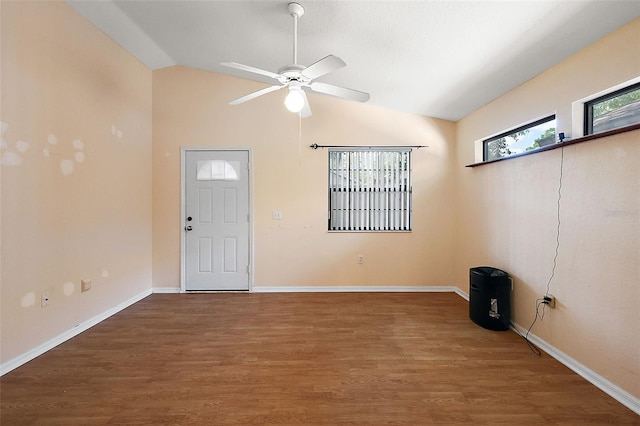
<point>61,338</point>
<point>353,289</point>
<point>165,290</point>
<point>614,391</point>
<point>336,289</point>
<point>461,293</point>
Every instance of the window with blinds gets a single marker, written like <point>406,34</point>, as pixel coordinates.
<point>370,189</point>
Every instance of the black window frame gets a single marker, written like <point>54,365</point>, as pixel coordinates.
<point>485,142</point>
<point>588,106</point>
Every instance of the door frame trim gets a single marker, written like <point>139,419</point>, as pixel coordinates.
<point>183,198</point>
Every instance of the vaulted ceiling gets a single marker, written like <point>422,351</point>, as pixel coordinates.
<point>441,59</point>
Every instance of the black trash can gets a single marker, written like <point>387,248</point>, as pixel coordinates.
<point>490,298</point>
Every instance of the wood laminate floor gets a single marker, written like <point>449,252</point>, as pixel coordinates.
<point>299,358</point>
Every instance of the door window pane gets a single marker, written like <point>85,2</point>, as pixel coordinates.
<point>218,170</point>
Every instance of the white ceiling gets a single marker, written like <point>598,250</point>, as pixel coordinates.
<point>441,59</point>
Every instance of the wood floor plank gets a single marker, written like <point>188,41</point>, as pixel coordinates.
<point>312,359</point>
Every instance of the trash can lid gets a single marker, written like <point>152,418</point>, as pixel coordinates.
<point>488,270</point>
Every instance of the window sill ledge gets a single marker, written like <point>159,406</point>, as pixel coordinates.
<point>561,144</point>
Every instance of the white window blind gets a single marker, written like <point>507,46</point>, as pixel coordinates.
<point>370,189</point>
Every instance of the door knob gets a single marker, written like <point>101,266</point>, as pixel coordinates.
<point>188,228</point>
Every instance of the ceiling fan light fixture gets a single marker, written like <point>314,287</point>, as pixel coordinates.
<point>295,77</point>
<point>295,99</point>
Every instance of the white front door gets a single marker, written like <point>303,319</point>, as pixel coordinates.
<point>216,220</point>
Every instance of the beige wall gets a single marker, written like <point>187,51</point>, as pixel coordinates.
<point>76,173</point>
<point>506,214</point>
<point>190,109</point>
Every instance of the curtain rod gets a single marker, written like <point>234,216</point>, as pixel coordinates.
<point>316,146</point>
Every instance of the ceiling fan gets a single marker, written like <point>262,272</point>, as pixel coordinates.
<point>298,78</point>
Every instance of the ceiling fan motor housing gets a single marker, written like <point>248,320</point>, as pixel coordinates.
<point>292,73</point>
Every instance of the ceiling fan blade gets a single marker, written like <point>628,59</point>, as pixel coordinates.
<point>306,109</point>
<point>340,92</point>
<point>256,94</point>
<point>250,69</point>
<point>323,66</point>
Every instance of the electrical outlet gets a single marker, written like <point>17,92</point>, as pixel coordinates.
<point>85,285</point>
<point>360,259</point>
<point>549,300</point>
<point>44,300</point>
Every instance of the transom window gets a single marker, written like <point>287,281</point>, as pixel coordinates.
<point>370,189</point>
<point>528,137</point>
<point>614,110</point>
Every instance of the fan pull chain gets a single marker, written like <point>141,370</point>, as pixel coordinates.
<point>300,139</point>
